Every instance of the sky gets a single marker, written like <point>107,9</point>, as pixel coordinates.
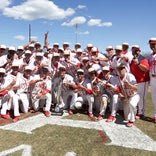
<point>99,22</point>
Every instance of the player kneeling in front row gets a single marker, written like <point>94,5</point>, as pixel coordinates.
<point>22,88</point>
<point>42,91</point>
<point>64,90</point>
<point>85,93</point>
<point>110,83</point>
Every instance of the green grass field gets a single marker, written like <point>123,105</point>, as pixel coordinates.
<point>54,140</point>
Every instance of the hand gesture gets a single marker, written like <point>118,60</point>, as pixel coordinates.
<point>135,60</point>
<point>46,34</point>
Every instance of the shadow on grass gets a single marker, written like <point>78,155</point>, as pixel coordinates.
<point>148,119</point>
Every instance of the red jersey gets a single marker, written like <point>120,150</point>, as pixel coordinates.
<point>140,75</point>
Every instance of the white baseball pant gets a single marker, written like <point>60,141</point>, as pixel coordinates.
<point>82,99</point>
<point>47,97</point>
<point>131,107</point>
<point>4,104</point>
<point>153,92</point>
<point>24,105</point>
<point>65,97</point>
<point>114,104</point>
<point>142,91</point>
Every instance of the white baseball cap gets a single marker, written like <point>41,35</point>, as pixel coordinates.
<point>39,54</point>
<point>12,48</point>
<point>79,50</point>
<point>67,52</point>
<point>27,52</point>
<point>38,43</point>
<point>80,70</point>
<point>125,43</point>
<point>85,58</point>
<point>109,47</point>
<point>78,44</point>
<point>31,45</point>
<point>28,68</point>
<point>65,43</point>
<point>15,64</point>
<point>153,39</point>
<point>94,49</point>
<point>136,46</point>
<point>2,70</point>
<point>118,47</point>
<point>107,68</point>
<point>2,46</point>
<point>56,44</point>
<point>89,45</point>
<point>20,48</point>
<point>91,69</point>
<point>56,55</point>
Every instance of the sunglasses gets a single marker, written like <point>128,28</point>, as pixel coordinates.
<point>91,73</point>
<point>121,68</point>
<point>80,73</point>
<point>2,74</point>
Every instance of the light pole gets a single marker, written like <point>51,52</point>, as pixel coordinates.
<point>76,26</point>
<point>29,33</point>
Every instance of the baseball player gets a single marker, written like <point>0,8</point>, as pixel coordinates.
<point>97,57</point>
<point>42,90</point>
<point>86,65</point>
<point>39,62</point>
<point>13,75</point>
<point>140,69</point>
<point>152,64</point>
<point>111,90</point>
<point>3,56</point>
<point>70,66</point>
<point>128,94</point>
<point>22,87</point>
<point>25,61</point>
<point>54,65</point>
<point>85,93</point>
<point>66,46</point>
<point>10,57</point>
<point>67,89</point>
<point>5,86</point>
<point>120,58</point>
<point>110,53</point>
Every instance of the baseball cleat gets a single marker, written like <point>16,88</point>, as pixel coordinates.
<point>153,119</point>
<point>70,112</point>
<point>130,124</point>
<point>6,116</point>
<point>47,113</point>
<point>90,115</point>
<point>16,118</point>
<point>111,118</point>
<point>100,117</point>
<point>139,116</point>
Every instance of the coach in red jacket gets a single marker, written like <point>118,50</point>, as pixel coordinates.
<point>140,69</point>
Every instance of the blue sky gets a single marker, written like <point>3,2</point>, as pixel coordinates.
<point>100,22</point>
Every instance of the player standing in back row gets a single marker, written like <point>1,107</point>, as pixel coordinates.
<point>152,64</point>
<point>140,69</point>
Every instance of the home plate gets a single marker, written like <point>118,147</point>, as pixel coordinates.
<point>119,134</point>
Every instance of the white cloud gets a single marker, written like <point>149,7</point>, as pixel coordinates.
<point>76,20</point>
<point>81,6</point>
<point>84,33</point>
<point>35,38</point>
<point>99,23</point>
<point>37,9</point>
<point>19,37</point>
<point>4,3</point>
